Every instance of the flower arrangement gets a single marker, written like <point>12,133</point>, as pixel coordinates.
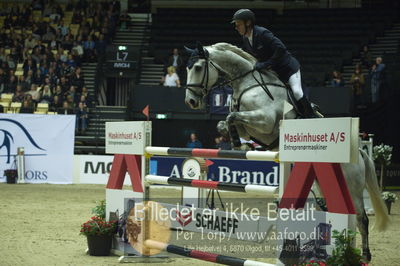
<point>389,196</point>
<point>382,154</point>
<point>98,226</point>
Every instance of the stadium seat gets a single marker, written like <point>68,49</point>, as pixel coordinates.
<point>15,107</point>
<point>42,107</point>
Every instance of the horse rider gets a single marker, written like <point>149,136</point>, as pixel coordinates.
<point>271,53</point>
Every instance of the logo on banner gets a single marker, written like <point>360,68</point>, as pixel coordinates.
<point>7,139</point>
<point>183,219</point>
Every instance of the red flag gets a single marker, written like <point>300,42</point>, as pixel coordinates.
<point>145,111</point>
<point>208,163</point>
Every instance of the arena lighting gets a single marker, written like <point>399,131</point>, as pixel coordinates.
<point>161,116</point>
<point>122,48</point>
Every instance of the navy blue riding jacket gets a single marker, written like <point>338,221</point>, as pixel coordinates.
<point>271,51</point>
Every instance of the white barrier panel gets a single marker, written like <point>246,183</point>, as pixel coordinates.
<point>48,141</point>
<point>333,140</point>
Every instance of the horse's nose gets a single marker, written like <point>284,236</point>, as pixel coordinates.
<point>192,102</point>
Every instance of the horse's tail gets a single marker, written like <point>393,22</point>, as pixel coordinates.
<point>382,218</point>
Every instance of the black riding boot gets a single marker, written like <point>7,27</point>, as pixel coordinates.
<point>306,109</point>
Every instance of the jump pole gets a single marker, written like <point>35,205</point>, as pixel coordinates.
<point>155,179</point>
<point>213,153</point>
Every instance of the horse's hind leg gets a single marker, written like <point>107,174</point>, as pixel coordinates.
<point>362,224</point>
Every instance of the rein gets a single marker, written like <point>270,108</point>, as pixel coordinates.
<point>203,85</point>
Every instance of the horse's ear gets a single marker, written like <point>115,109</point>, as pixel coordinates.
<point>199,46</point>
<point>188,50</point>
<point>203,53</point>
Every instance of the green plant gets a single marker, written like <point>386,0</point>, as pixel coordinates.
<point>98,226</point>
<point>389,196</point>
<point>100,210</point>
<point>344,254</point>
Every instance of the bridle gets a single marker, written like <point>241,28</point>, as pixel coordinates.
<point>203,85</point>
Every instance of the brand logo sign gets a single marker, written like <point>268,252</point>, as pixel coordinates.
<point>127,137</point>
<point>94,169</point>
<point>331,140</point>
<point>231,171</point>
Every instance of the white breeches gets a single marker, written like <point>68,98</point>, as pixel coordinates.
<point>295,84</point>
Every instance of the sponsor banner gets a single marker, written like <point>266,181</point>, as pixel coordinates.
<point>127,137</point>
<point>95,169</point>
<point>392,178</point>
<point>48,141</point>
<point>333,140</point>
<point>230,171</point>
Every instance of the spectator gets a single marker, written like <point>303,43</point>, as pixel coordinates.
<point>377,78</point>
<point>77,79</point>
<point>11,62</point>
<point>357,81</point>
<point>171,79</point>
<point>65,110</point>
<point>71,92</point>
<point>100,47</point>
<point>82,99</point>
<point>217,142</point>
<point>23,83</point>
<point>64,30</point>
<point>81,119</point>
<point>38,78</point>
<point>19,95</point>
<point>176,61</point>
<point>3,80</point>
<point>337,80</point>
<point>366,57</point>
<point>30,42</point>
<point>88,47</point>
<point>124,20</point>
<point>55,16</point>
<point>70,101</point>
<point>29,64</point>
<point>193,142</point>
<point>46,95</point>
<point>27,107</point>
<point>11,85</point>
<point>224,144</point>
<point>34,93</point>
<point>56,103</point>
<point>78,48</point>
<point>1,109</point>
<point>30,78</point>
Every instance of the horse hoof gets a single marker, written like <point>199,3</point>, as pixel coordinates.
<point>367,255</point>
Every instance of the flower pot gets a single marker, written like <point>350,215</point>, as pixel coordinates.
<point>388,205</point>
<point>99,245</point>
<point>11,175</point>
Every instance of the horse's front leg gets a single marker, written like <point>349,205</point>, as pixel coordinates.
<point>257,121</point>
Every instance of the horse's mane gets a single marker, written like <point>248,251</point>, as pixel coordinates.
<point>223,46</point>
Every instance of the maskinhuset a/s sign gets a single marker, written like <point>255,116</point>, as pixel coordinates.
<point>333,140</point>
<point>127,137</point>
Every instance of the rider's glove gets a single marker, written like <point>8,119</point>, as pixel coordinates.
<point>261,65</point>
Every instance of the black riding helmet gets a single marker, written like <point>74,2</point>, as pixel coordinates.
<point>245,15</point>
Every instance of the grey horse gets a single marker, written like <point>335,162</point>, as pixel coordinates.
<point>258,112</point>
